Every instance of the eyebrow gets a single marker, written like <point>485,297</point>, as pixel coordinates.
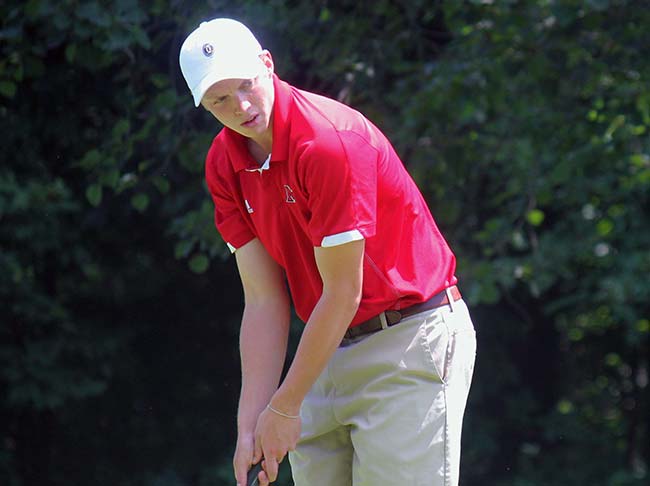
<point>223,97</point>
<point>211,98</point>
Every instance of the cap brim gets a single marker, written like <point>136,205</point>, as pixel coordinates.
<point>247,72</point>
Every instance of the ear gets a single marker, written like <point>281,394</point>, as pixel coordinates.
<point>267,60</point>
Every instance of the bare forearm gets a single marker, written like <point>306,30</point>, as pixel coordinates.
<point>263,346</point>
<point>322,335</point>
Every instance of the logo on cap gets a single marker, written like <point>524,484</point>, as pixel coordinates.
<point>208,50</point>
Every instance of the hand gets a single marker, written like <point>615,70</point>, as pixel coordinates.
<point>244,458</point>
<point>275,436</point>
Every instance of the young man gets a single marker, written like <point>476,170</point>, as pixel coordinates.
<point>309,193</point>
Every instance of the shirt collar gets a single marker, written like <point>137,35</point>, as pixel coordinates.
<point>265,166</point>
<point>281,120</point>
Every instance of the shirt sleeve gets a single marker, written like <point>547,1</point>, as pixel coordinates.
<point>228,210</point>
<point>341,181</point>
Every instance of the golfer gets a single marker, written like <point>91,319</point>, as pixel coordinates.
<point>316,206</point>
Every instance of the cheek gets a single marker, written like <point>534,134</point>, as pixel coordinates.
<point>220,114</point>
<point>266,104</point>
<point>224,120</point>
<point>260,99</point>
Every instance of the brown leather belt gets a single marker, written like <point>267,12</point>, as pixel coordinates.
<point>395,316</point>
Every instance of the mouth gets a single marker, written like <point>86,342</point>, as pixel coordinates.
<point>250,122</point>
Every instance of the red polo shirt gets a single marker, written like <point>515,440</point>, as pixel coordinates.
<point>333,177</point>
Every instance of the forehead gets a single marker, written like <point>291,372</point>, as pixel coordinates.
<point>223,87</point>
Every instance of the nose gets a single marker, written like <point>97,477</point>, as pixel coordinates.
<point>242,105</point>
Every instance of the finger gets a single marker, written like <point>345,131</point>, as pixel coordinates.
<point>292,446</point>
<point>271,468</point>
<point>241,470</point>
<point>241,464</point>
<point>242,458</point>
<point>264,479</point>
<point>257,452</point>
<point>257,455</point>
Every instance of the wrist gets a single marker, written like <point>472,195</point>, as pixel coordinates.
<point>281,413</point>
<point>245,434</point>
<point>246,428</point>
<point>285,403</point>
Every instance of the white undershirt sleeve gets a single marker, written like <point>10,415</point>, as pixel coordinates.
<point>341,238</point>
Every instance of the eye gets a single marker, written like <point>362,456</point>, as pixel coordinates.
<point>247,84</point>
<point>219,100</point>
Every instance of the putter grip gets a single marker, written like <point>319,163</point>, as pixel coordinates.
<point>251,479</point>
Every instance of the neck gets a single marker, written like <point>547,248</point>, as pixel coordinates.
<point>260,149</point>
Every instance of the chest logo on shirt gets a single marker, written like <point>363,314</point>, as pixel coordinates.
<point>288,192</point>
<point>248,207</point>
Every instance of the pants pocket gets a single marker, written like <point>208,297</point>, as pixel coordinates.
<point>435,340</point>
<point>449,343</point>
<point>461,357</point>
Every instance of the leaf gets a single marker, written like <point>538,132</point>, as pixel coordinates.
<point>643,106</point>
<point>93,13</point>
<point>71,53</point>
<point>598,5</point>
<point>643,326</point>
<point>90,159</point>
<point>7,89</point>
<point>183,248</point>
<point>144,165</point>
<point>110,178</point>
<point>121,128</point>
<point>162,184</point>
<point>489,293</point>
<point>565,407</point>
<point>94,194</point>
<point>535,217</point>
<point>127,181</point>
<point>141,37</point>
<point>160,81</point>
<point>140,202</point>
<point>325,14</point>
<point>604,227</point>
<point>640,160</point>
<point>33,8</point>
<point>199,263</point>
<point>617,123</point>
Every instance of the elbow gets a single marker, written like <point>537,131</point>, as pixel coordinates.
<point>351,305</point>
<point>355,300</point>
<point>347,298</point>
<point>269,307</point>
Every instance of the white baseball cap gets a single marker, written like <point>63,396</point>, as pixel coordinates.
<point>216,50</point>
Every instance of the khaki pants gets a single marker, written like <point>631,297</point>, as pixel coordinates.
<point>388,409</point>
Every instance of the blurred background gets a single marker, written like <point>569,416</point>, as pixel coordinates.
<point>525,124</point>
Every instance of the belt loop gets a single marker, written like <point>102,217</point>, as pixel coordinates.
<point>383,321</point>
<point>450,298</point>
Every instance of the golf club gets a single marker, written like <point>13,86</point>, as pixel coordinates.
<point>251,479</point>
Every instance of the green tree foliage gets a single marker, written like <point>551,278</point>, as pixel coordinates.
<point>538,112</point>
<point>524,122</point>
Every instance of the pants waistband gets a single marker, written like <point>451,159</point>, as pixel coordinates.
<point>391,317</point>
